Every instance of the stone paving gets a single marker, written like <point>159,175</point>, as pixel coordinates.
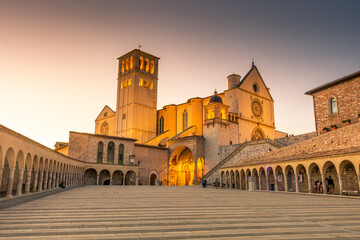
<point>145,212</point>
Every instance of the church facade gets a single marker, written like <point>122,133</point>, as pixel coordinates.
<point>192,131</point>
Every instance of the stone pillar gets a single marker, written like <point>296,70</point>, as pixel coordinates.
<point>53,184</point>
<point>41,179</point>
<point>50,180</point>
<point>137,180</point>
<point>309,183</point>
<point>260,183</point>
<point>286,183</point>
<point>341,183</point>
<point>123,179</point>
<point>57,180</point>
<point>20,181</point>
<point>28,181</point>
<point>267,182</point>
<point>276,182</point>
<point>1,174</point>
<point>246,183</point>
<point>110,180</point>
<point>296,182</point>
<point>97,179</point>
<point>10,183</point>
<point>221,181</point>
<point>35,184</point>
<point>324,186</point>
<point>195,173</point>
<point>45,180</point>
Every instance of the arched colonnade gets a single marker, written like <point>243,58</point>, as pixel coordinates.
<point>308,176</point>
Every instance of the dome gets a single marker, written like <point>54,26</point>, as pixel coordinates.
<point>215,98</point>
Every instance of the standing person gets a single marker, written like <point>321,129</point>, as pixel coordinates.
<point>330,184</point>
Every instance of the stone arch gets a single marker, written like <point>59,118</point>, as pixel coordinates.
<point>182,167</point>
<point>152,177</point>
<point>302,180</point>
<point>263,182</point>
<point>6,180</point>
<point>110,152</point>
<point>257,134</point>
<point>290,179</point>
<point>348,176</point>
<point>118,178</point>
<point>315,178</point>
<point>237,179</point>
<point>130,178</point>
<point>330,172</point>
<point>222,178</point>
<point>90,176</point>
<point>232,179</point>
<point>280,179</point>
<point>248,175</point>
<point>256,178</point>
<point>227,179</point>
<point>271,179</point>
<point>104,177</point>
<point>242,180</point>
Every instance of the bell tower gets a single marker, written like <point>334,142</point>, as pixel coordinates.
<point>136,104</point>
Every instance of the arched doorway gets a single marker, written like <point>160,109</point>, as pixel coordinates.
<point>271,179</point>
<point>103,176</point>
<point>263,179</point>
<point>117,178</point>
<point>280,178</point>
<point>248,175</point>
<point>237,179</point>
<point>90,176</point>
<point>242,180</point>
<point>257,134</point>
<point>330,172</point>
<point>315,179</point>
<point>182,167</point>
<point>303,182</point>
<point>290,179</point>
<point>152,179</point>
<point>130,178</point>
<point>349,176</point>
<point>256,178</point>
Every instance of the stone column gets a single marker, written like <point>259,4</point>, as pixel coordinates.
<point>53,181</point>
<point>221,181</point>
<point>309,183</point>
<point>324,186</point>
<point>41,179</point>
<point>50,180</point>
<point>195,173</point>
<point>123,179</point>
<point>137,180</point>
<point>267,182</point>
<point>1,174</point>
<point>35,184</point>
<point>296,182</point>
<point>275,182</point>
<point>57,180</point>
<point>259,179</point>
<point>20,181</point>
<point>286,183</point>
<point>10,183</point>
<point>341,183</point>
<point>97,179</point>
<point>110,180</point>
<point>45,180</point>
<point>28,181</point>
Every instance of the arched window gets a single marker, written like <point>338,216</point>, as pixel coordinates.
<point>110,153</point>
<point>100,152</point>
<point>121,154</point>
<point>333,105</point>
<point>222,114</point>
<point>185,119</point>
<point>147,65</point>
<point>105,128</point>
<point>123,66</point>
<point>210,114</point>
<point>141,63</point>
<point>152,67</point>
<point>127,65</point>
<point>131,63</point>
<point>161,125</point>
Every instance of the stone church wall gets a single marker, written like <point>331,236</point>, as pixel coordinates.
<point>347,95</point>
<point>151,160</point>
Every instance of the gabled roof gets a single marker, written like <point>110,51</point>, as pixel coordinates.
<point>333,83</point>
<point>105,107</point>
<point>253,69</point>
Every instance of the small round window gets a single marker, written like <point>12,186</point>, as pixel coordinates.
<point>255,87</point>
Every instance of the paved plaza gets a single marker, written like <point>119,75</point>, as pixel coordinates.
<point>145,212</point>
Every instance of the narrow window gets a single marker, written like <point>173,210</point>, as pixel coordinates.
<point>147,65</point>
<point>122,67</point>
<point>210,114</point>
<point>121,154</point>
<point>151,85</point>
<point>161,125</point>
<point>122,85</point>
<point>125,84</point>
<point>185,119</point>
<point>223,114</point>
<point>127,65</point>
<point>129,82</point>
<point>333,106</point>
<point>110,153</point>
<point>141,82</point>
<point>100,152</point>
<point>131,63</point>
<point>152,67</point>
<point>141,63</point>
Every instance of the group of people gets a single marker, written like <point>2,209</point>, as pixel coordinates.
<point>318,188</point>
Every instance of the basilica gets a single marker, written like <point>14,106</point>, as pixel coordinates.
<point>228,137</point>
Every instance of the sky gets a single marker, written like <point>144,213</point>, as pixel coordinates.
<point>58,59</point>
